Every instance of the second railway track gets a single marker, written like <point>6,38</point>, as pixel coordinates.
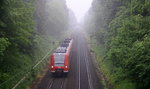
<point>56,83</point>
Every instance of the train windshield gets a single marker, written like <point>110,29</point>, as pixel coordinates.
<point>59,60</point>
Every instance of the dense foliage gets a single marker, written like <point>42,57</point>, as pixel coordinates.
<point>16,36</point>
<point>123,27</point>
<point>27,30</point>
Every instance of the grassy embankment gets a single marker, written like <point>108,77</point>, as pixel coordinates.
<point>108,76</point>
<point>46,50</point>
<point>35,66</point>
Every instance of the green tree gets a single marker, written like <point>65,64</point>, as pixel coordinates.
<point>122,26</point>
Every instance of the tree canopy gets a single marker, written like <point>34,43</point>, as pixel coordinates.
<point>27,28</point>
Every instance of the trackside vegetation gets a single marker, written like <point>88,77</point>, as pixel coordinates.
<point>29,29</point>
<point>121,29</point>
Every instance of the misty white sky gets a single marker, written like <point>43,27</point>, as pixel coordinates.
<point>79,7</point>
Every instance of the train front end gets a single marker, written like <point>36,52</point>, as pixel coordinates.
<point>59,63</point>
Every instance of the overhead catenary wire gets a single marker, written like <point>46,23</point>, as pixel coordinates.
<point>41,59</point>
<point>24,72</point>
<point>23,78</point>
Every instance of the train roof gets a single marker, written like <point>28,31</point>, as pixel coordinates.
<point>65,43</point>
<point>61,50</point>
<point>68,39</point>
<point>63,46</point>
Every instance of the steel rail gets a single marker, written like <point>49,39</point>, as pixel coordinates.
<point>62,84</point>
<point>50,84</point>
<point>87,69</point>
<point>79,66</point>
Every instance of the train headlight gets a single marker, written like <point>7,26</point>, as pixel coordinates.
<point>66,66</point>
<point>52,66</point>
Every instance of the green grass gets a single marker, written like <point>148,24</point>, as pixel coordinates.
<point>125,84</point>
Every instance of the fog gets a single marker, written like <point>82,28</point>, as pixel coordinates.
<point>79,7</point>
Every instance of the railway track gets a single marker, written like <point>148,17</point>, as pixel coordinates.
<point>82,73</point>
<point>88,70</point>
<point>83,58</point>
<point>78,66</point>
<point>50,84</point>
<point>56,83</point>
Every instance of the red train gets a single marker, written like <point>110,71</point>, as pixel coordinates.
<point>59,60</point>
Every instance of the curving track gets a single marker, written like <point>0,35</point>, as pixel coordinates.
<point>82,73</point>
